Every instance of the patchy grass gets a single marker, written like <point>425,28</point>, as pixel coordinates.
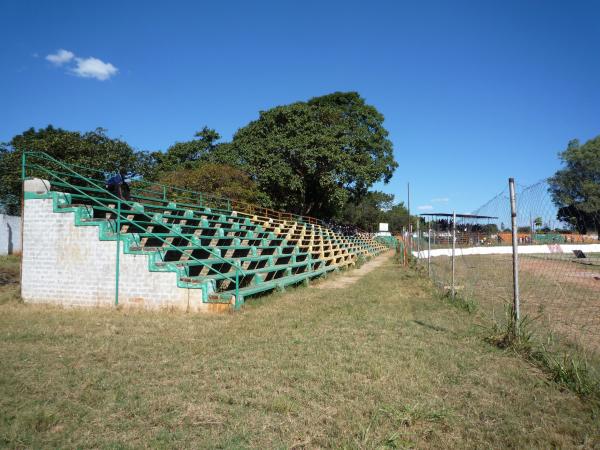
<point>560,310</point>
<point>9,279</point>
<point>466,304</point>
<point>561,296</point>
<point>565,363</point>
<point>380,364</point>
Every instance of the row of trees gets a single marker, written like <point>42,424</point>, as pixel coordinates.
<point>318,158</point>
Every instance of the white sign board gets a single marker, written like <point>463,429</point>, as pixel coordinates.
<point>383,227</point>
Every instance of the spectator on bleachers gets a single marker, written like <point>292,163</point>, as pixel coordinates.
<point>117,186</point>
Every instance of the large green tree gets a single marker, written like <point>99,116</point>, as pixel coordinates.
<point>312,157</point>
<point>367,212</point>
<point>93,149</point>
<point>377,207</point>
<point>575,188</point>
<point>397,218</point>
<point>188,153</point>
<point>218,180</point>
<point>204,148</point>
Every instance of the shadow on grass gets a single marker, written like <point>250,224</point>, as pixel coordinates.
<point>430,326</point>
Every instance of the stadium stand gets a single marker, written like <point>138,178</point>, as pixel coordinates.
<point>229,254</point>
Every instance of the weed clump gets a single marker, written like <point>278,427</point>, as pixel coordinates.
<point>458,301</point>
<point>566,365</point>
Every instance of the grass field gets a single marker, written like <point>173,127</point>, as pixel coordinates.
<point>382,363</point>
<point>559,293</point>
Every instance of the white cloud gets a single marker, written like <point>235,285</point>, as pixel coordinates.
<point>425,207</point>
<point>61,57</point>
<point>82,67</point>
<point>440,200</point>
<point>94,68</point>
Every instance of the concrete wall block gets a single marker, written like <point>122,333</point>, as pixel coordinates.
<point>68,265</point>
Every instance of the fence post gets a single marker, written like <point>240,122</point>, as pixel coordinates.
<point>22,211</point>
<point>409,224</point>
<point>531,233</point>
<point>515,252</point>
<point>453,250</point>
<point>419,237</point>
<point>429,249</point>
<point>117,266</point>
<point>237,289</point>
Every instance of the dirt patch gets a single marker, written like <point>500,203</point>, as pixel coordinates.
<point>562,271</point>
<point>345,280</point>
<point>559,296</point>
<point>566,296</point>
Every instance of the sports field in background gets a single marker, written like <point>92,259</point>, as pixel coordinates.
<point>560,294</point>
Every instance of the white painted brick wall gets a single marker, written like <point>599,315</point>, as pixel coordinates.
<point>68,265</point>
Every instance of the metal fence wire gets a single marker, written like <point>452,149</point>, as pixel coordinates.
<point>558,266</point>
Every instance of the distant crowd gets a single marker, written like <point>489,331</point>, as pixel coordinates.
<point>346,230</point>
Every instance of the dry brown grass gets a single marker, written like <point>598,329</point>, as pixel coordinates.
<point>561,296</point>
<point>380,364</point>
<point>9,279</point>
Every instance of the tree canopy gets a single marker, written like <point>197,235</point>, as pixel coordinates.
<point>377,207</point>
<point>219,180</point>
<point>319,157</point>
<point>312,157</point>
<point>575,188</point>
<point>93,149</point>
<point>189,153</point>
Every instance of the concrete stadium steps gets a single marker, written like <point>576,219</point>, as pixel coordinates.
<point>204,246</point>
<point>311,235</point>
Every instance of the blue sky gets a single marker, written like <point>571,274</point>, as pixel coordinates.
<point>472,91</point>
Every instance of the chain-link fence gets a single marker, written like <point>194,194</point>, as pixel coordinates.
<point>470,258</point>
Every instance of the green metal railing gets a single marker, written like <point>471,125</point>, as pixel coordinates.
<point>154,191</point>
<point>117,211</point>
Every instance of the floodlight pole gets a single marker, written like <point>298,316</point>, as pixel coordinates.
<point>453,251</point>
<point>515,251</point>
